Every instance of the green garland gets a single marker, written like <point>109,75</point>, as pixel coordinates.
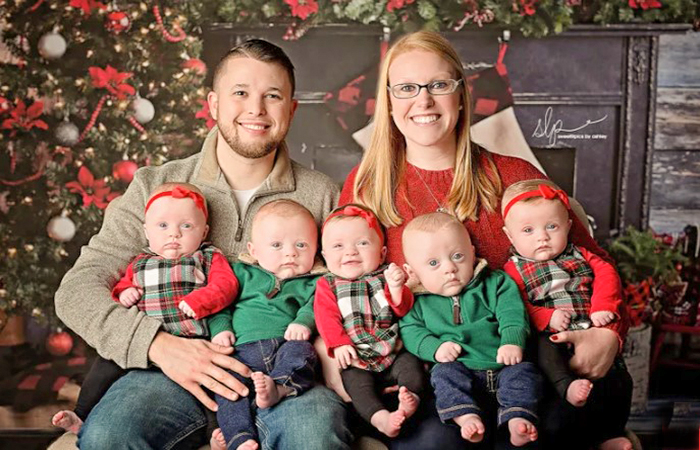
<point>531,17</point>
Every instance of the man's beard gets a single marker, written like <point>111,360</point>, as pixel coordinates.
<point>250,151</point>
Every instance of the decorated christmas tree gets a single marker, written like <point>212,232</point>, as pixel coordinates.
<point>89,93</point>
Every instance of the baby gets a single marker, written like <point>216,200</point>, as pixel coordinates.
<point>357,305</point>
<point>472,323</point>
<point>176,272</point>
<point>272,319</point>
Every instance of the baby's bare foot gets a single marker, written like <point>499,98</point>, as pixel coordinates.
<point>618,443</point>
<point>267,392</point>
<point>387,422</point>
<point>522,431</point>
<point>578,391</point>
<point>408,401</point>
<point>471,426</point>
<point>67,420</point>
<point>217,441</point>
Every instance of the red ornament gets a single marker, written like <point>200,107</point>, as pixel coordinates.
<point>124,170</point>
<point>59,344</point>
<point>196,65</point>
<point>117,21</point>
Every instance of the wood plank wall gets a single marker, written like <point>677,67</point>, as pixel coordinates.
<point>675,189</point>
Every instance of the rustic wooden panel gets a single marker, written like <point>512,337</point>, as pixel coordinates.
<point>678,118</point>
<point>679,60</point>
<point>676,180</point>
<point>664,220</point>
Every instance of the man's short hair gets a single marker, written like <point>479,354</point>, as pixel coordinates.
<point>259,50</point>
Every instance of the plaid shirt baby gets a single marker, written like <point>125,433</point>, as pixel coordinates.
<point>565,282</point>
<point>166,281</point>
<point>367,318</point>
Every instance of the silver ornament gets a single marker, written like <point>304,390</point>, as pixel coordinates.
<point>143,110</point>
<point>67,134</point>
<point>52,46</point>
<point>61,229</point>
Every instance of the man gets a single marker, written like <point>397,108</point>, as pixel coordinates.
<point>243,164</point>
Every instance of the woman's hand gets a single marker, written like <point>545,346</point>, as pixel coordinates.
<point>594,350</point>
<point>196,363</point>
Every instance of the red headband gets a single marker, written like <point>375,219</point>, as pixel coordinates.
<point>181,192</point>
<point>354,211</point>
<point>544,191</point>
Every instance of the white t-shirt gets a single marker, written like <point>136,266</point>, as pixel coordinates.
<point>243,197</point>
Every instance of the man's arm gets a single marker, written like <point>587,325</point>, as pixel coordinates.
<point>83,300</point>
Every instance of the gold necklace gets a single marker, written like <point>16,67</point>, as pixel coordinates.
<point>430,191</point>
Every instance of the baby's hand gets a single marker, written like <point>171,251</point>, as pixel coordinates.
<point>560,320</point>
<point>602,318</point>
<point>296,332</point>
<point>344,355</point>
<point>130,296</point>
<point>185,308</point>
<point>224,339</point>
<point>509,354</point>
<point>448,352</point>
<point>395,276</point>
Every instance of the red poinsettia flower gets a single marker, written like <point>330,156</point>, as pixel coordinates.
<point>644,4</point>
<point>195,64</point>
<point>25,118</point>
<point>302,8</point>
<point>112,80</point>
<point>93,191</point>
<point>87,5</point>
<point>205,114</point>
<point>397,4</point>
<point>526,8</point>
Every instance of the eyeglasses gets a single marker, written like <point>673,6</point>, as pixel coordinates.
<point>437,87</point>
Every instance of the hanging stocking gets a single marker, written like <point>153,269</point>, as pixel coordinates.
<point>494,125</point>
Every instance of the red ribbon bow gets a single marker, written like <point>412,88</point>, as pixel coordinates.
<point>545,191</point>
<point>356,211</point>
<point>181,192</point>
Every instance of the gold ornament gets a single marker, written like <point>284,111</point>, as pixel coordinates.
<point>29,248</point>
<point>11,252</point>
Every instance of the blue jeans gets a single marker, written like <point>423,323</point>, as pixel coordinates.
<point>288,363</point>
<point>517,388</point>
<point>145,410</point>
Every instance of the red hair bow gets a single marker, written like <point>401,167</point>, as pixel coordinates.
<point>356,211</point>
<point>543,190</point>
<point>181,192</point>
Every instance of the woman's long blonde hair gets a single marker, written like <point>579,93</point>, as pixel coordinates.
<point>382,166</point>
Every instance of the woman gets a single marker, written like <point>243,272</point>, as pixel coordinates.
<point>420,159</point>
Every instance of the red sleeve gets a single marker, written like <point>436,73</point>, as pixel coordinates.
<point>220,291</point>
<point>607,293</point>
<point>124,283</point>
<point>329,321</point>
<point>346,193</point>
<point>406,301</point>
<point>539,315</point>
